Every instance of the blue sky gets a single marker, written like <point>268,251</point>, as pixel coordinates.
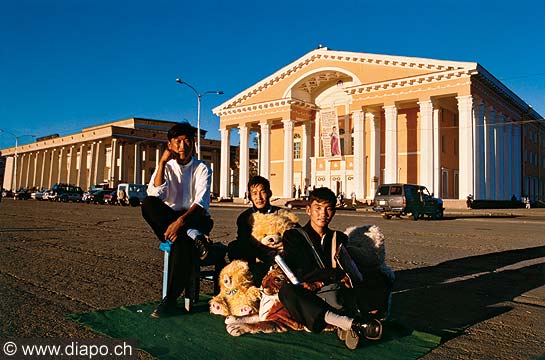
<point>69,64</point>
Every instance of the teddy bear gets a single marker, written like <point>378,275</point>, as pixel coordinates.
<point>366,264</point>
<point>238,296</point>
<point>268,229</point>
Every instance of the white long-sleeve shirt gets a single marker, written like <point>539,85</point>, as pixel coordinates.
<point>184,185</point>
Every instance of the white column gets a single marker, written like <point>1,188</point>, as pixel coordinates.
<point>374,147</point>
<point>436,152</point>
<point>53,168</point>
<point>517,160</point>
<point>121,163</point>
<point>480,158</point>
<point>390,149</point>
<point>426,144</point>
<point>306,153</point>
<point>498,155</point>
<point>317,137</point>
<point>46,169</point>
<point>63,165</point>
<point>82,166</point>
<point>225,167</point>
<point>91,174</point>
<point>508,156</point>
<point>100,162</point>
<point>466,147</point>
<point>360,173</point>
<point>71,176</point>
<point>38,164</point>
<point>490,176</point>
<point>265,149</point>
<point>288,158</point>
<point>137,176</point>
<point>113,176</point>
<point>244,161</point>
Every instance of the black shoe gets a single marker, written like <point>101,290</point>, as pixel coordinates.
<point>165,308</point>
<point>371,330</point>
<point>202,245</point>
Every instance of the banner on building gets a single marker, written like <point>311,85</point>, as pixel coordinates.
<point>329,127</point>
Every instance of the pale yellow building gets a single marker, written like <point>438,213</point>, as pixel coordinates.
<point>124,151</point>
<point>351,121</point>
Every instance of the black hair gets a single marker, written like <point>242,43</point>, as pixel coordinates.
<point>322,194</point>
<point>259,180</point>
<point>183,128</point>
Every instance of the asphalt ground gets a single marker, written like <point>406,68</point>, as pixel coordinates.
<point>475,278</point>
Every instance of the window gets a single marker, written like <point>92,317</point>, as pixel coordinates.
<point>443,143</point>
<point>296,146</point>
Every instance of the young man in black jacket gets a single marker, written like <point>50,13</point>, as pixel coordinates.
<point>244,247</point>
<point>310,253</point>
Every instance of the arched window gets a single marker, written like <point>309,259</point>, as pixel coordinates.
<point>297,146</point>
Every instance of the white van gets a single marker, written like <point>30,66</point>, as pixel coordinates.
<point>131,194</point>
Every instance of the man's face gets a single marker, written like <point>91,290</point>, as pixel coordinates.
<point>259,196</point>
<point>182,147</point>
<point>321,213</point>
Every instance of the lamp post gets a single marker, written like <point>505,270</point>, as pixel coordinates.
<point>199,96</point>
<point>15,156</point>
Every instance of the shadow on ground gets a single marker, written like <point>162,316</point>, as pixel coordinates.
<point>447,298</point>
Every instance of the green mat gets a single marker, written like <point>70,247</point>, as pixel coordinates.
<point>199,335</point>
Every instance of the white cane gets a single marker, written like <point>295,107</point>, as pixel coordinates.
<point>165,274</point>
<point>165,247</point>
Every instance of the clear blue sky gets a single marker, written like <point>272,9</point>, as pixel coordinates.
<point>69,64</point>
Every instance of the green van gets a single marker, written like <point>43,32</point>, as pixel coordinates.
<point>403,199</point>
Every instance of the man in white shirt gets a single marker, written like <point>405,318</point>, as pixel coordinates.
<point>176,208</point>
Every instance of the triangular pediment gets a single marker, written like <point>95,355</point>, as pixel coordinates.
<point>322,67</point>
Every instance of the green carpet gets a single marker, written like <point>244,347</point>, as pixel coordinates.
<point>199,335</point>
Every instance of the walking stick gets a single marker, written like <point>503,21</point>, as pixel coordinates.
<point>165,247</point>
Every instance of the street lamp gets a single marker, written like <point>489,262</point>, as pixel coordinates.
<point>199,96</point>
<point>15,156</point>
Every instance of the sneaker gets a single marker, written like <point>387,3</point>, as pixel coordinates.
<point>202,245</point>
<point>165,308</point>
<point>371,330</point>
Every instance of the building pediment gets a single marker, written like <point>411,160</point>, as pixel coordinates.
<point>308,76</point>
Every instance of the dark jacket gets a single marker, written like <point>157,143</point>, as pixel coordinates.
<point>300,258</point>
<point>245,247</point>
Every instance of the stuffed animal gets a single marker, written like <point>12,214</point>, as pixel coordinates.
<point>366,248</point>
<point>273,316</point>
<point>269,228</point>
<point>238,296</point>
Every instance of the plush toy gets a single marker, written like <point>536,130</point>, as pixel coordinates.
<point>238,296</point>
<point>365,246</point>
<point>273,316</point>
<point>269,228</point>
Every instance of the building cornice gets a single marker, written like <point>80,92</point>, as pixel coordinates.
<point>274,104</point>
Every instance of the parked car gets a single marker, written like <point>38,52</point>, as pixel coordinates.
<point>402,199</point>
<point>22,194</point>
<point>110,198</point>
<point>296,203</point>
<point>70,196</point>
<point>59,189</point>
<point>131,194</point>
<point>95,196</point>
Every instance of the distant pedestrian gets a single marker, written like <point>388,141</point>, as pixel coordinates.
<point>527,201</point>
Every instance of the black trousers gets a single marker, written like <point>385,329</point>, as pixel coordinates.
<point>182,256</point>
<point>309,309</point>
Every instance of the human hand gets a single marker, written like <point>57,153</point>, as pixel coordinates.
<point>171,232</point>
<point>167,155</point>
<point>312,286</point>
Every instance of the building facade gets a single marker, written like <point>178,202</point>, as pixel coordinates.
<point>124,151</point>
<point>350,121</point>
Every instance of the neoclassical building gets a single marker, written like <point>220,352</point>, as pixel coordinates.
<point>351,121</point>
<point>117,152</point>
